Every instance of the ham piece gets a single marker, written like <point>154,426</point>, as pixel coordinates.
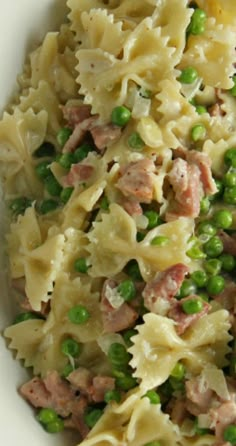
<point>79,172</point>
<point>136,180</point>
<point>75,114</point>
<point>229,242</point>
<point>182,319</point>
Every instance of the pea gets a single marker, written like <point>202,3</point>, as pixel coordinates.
<point>233,89</point>
<point>230,157</point>
<point>214,247</point>
<point>19,205</point>
<point>104,203</point>
<point>42,170</point>
<point>177,384</point>
<point>200,109</point>
<point>66,160</point>
<point>197,24</point>
<point>230,434</point>
<point>127,335</point>
<point>92,416</point>
<point>135,141</point>
<point>229,178</point>
<point>223,219</point>
<point>46,149</point>
<point>26,316</point>
<point>126,382</point>
<point>118,355</point>
<point>153,397</point>
<point>229,196</point>
<point>159,240</point>
<point>133,270</point>
<point>192,306</point>
<point>205,205</point>
<point>127,290</point>
<point>66,194</point>
<point>52,186</point>
<point>178,371</point>
<point>70,347</point>
<point>48,205</point>
<point>112,395</point>
<point>55,426</point>
<point>153,443</point>
<point>200,278</point>
<point>188,75</point>
<point>47,415</point>
<point>228,262</point>
<point>207,228</point>
<point>78,314</point>
<point>212,266</point>
<point>203,296</point>
<point>198,132</point>
<point>68,369</point>
<point>154,219</point>
<point>215,285</point>
<point>120,116</point>
<point>195,252</point>
<point>82,152</point>
<point>187,288</point>
<point>81,266</point>
<point>63,136</point>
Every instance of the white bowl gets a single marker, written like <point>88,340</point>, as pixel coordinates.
<point>23,24</point>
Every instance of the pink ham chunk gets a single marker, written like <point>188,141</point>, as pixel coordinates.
<point>136,180</point>
<point>203,162</point>
<point>36,393</point>
<point>199,399</point>
<point>103,135</point>
<point>186,182</point>
<point>101,385</point>
<point>74,114</point>
<point>79,133</point>
<point>93,387</point>
<point>165,285</point>
<point>116,319</point>
<point>223,416</point>
<point>78,173</point>
<point>132,207</point>
<point>183,320</point>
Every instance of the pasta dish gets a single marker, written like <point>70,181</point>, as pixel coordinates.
<point>117,163</point>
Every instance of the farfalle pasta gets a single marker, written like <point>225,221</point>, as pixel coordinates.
<point>117,160</point>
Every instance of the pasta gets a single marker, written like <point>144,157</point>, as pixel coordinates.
<point>117,161</point>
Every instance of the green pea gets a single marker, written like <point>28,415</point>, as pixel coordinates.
<point>160,240</point>
<point>112,395</point>
<point>81,266</point>
<point>19,205</point>
<point>187,288</point>
<point>55,426</point>
<point>153,397</point>
<point>118,355</point>
<point>48,205</point>
<point>52,186</point>
<point>46,149</point>
<point>228,262</point>
<point>233,89</point>
<point>63,136</point>
<point>126,382</point>
<point>215,285</point>
<point>223,219</point>
<point>133,270</point>
<point>192,306</point>
<point>178,371</point>
<point>205,227</point>
<point>203,296</point>
<point>70,347</point>
<point>230,434</point>
<point>135,141</point>
<point>195,252</point>
<point>120,116</point>
<point>78,314</point>
<point>66,194</point>
<point>66,160</point>
<point>42,170</point>
<point>197,24</point>
<point>205,205</point>
<point>213,266</point>
<point>229,196</point>
<point>68,369</point>
<point>127,335</point>
<point>47,415</point>
<point>153,443</point>
<point>214,247</point>
<point>230,157</point>
<point>92,416</point>
<point>229,178</point>
<point>154,219</point>
<point>26,316</point>
<point>200,109</point>
<point>127,290</point>
<point>82,152</point>
<point>188,75</point>
<point>200,278</point>
<point>198,132</point>
<point>104,203</point>
<point>176,384</point>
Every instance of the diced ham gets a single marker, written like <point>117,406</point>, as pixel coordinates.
<point>222,416</point>
<point>78,173</point>
<point>182,319</point>
<point>36,393</point>
<point>116,319</point>
<point>102,384</point>
<point>74,114</point>
<point>136,180</point>
<point>215,110</point>
<point>229,242</point>
<point>81,379</point>
<point>165,285</point>
<point>103,135</point>
<point>19,285</point>
<point>44,310</point>
<point>76,420</point>
<point>132,207</point>
<point>177,410</point>
<point>227,297</point>
<point>199,398</point>
<point>185,179</point>
<point>203,162</point>
<point>78,133</point>
<point>62,395</point>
